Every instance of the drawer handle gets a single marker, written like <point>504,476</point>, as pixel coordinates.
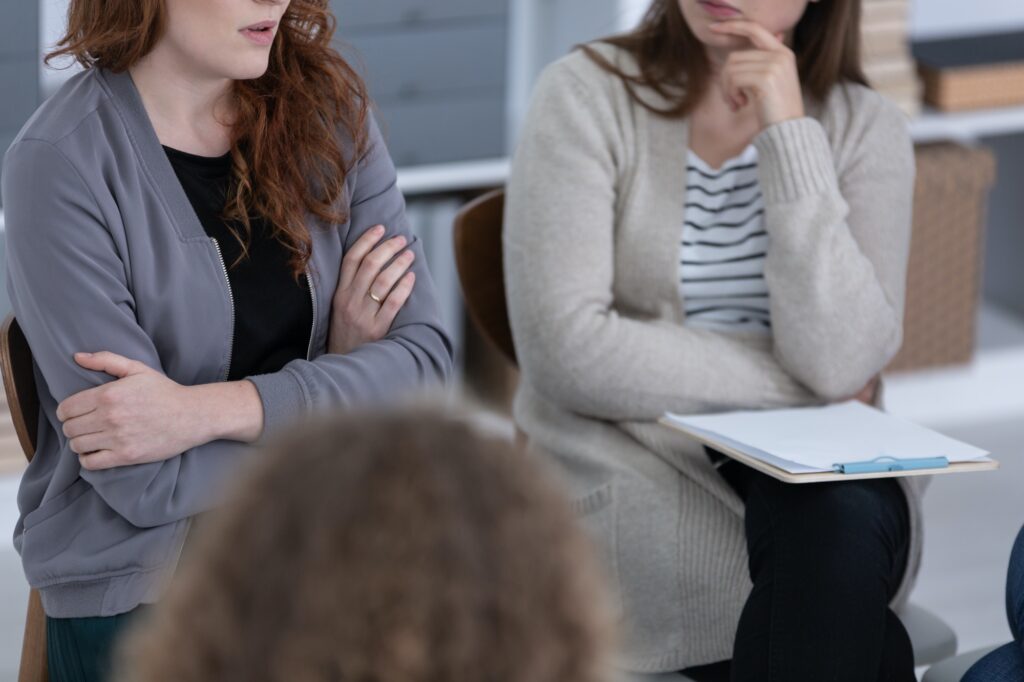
<point>407,91</point>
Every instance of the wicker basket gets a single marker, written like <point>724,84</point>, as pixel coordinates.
<point>944,273</point>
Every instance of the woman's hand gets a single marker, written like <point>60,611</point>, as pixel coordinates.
<point>142,417</point>
<point>369,295</point>
<point>766,76</point>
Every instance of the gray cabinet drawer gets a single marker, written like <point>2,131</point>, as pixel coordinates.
<point>19,89</point>
<point>444,129</point>
<point>406,64</point>
<point>6,138</point>
<point>19,28</point>
<point>353,14</point>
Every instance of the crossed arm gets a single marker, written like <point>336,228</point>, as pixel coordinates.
<point>144,416</point>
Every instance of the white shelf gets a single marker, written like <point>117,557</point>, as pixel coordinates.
<point>929,126</point>
<point>983,391</point>
<point>453,177</point>
<point>966,126</point>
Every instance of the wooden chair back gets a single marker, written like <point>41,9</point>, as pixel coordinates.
<point>478,257</point>
<point>23,402</point>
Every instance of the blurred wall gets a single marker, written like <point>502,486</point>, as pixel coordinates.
<point>955,17</point>
<point>19,75</point>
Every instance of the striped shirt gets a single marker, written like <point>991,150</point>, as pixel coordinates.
<point>724,246</point>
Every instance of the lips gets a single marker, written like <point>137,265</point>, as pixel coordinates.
<point>719,10</point>
<point>261,33</point>
<point>261,26</point>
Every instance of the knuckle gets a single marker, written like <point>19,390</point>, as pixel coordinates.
<point>376,259</point>
<point>116,416</point>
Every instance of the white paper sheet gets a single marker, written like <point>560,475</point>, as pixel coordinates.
<point>813,439</point>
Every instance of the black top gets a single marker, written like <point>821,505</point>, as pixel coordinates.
<point>273,313</point>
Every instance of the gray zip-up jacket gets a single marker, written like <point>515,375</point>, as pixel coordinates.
<point>104,252</point>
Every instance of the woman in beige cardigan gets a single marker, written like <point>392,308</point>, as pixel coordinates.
<point>746,130</point>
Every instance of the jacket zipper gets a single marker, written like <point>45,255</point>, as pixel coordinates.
<point>231,298</point>
<point>312,331</point>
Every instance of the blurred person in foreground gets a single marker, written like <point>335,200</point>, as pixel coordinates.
<point>405,547</point>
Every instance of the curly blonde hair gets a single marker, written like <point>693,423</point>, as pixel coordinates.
<point>377,548</point>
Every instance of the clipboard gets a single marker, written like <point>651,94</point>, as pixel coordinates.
<point>987,464</point>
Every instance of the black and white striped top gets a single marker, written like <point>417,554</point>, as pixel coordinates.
<point>724,245</point>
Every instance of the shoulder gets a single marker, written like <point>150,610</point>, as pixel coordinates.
<point>580,73</point>
<point>73,128</point>
<point>854,110</point>
<point>63,113</point>
<point>860,121</point>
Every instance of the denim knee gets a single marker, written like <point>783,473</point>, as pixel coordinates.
<point>1005,664</point>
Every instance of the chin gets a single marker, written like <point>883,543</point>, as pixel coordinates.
<point>718,40</point>
<point>249,71</point>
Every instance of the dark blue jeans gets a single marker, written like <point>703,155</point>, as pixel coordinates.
<point>825,560</point>
<point>1006,664</point>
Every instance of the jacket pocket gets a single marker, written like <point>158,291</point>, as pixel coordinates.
<point>55,504</point>
<point>75,536</point>
<point>596,511</point>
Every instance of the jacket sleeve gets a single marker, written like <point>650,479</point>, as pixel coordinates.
<point>68,287</point>
<point>416,353</point>
<point>574,346</point>
<point>837,264</point>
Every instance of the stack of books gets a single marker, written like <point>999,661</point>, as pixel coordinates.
<point>885,50</point>
<point>973,71</point>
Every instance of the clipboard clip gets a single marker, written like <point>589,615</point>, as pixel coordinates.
<point>883,464</point>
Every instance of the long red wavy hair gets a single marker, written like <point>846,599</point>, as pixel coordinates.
<point>299,128</point>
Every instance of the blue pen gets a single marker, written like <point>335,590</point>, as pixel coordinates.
<point>883,464</point>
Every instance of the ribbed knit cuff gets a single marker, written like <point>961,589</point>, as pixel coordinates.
<point>797,160</point>
<point>284,400</point>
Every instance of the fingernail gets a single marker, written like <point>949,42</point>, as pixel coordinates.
<point>84,355</point>
<point>379,230</point>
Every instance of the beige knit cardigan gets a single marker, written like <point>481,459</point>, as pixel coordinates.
<point>594,217</point>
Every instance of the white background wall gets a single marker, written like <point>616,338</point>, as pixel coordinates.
<point>932,18</point>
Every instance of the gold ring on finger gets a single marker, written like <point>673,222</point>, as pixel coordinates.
<point>376,299</point>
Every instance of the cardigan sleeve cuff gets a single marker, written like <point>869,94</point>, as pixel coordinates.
<point>796,160</point>
<point>284,400</point>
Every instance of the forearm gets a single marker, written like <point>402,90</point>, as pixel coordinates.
<point>230,410</point>
<point>836,267</point>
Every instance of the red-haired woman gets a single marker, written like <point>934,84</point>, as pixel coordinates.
<point>713,213</point>
<point>205,243</point>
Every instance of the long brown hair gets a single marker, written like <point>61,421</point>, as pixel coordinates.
<point>287,156</point>
<point>394,548</point>
<point>672,61</point>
